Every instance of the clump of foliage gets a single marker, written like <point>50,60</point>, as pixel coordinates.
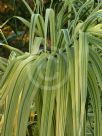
<point>54,88</point>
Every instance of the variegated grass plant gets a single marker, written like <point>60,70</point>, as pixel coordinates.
<point>59,81</point>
